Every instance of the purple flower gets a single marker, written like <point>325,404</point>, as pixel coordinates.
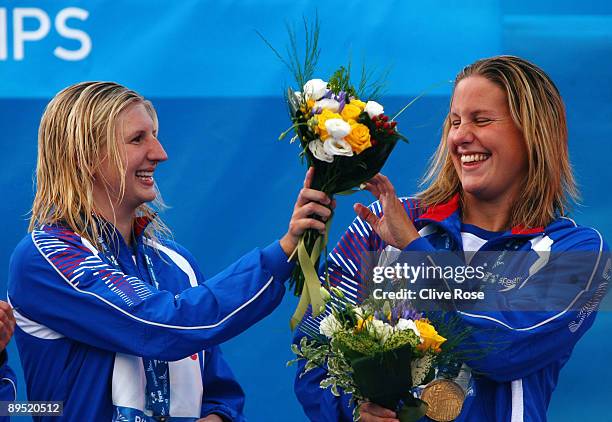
<point>406,311</point>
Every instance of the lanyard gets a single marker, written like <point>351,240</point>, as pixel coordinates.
<point>157,372</point>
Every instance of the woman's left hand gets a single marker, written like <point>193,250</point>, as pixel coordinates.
<point>394,227</point>
<point>310,203</point>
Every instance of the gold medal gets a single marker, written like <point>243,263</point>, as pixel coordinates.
<point>444,399</point>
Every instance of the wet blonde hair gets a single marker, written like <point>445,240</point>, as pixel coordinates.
<point>538,111</point>
<point>78,130</point>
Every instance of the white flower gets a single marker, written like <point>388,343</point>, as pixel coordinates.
<point>318,150</point>
<point>337,128</point>
<point>380,330</point>
<point>373,109</point>
<point>333,146</point>
<point>315,89</point>
<point>407,324</point>
<point>328,103</point>
<point>329,326</point>
<point>359,312</point>
<point>419,368</point>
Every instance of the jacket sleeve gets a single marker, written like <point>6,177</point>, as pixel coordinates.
<point>58,281</point>
<point>540,321</point>
<point>347,271</point>
<point>518,330</point>
<point>222,393</point>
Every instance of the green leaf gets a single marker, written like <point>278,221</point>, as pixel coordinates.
<point>325,383</point>
<point>310,366</point>
<point>334,390</point>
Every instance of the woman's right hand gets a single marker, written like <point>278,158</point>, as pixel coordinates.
<point>7,324</point>
<point>394,227</point>
<point>371,412</point>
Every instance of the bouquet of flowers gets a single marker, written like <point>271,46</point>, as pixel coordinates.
<point>379,354</point>
<point>344,134</point>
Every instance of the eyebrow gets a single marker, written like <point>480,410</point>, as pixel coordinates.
<point>134,134</point>
<point>478,111</point>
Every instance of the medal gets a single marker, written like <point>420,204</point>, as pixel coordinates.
<point>444,399</point>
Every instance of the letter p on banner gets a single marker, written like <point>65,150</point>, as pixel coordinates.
<point>20,35</point>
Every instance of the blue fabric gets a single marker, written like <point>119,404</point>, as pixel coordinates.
<point>8,383</point>
<point>88,311</point>
<point>529,348</point>
<point>478,231</point>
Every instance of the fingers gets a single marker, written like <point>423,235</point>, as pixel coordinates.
<point>388,186</point>
<point>298,226</point>
<point>310,205</point>
<point>383,184</point>
<point>6,309</point>
<point>6,332</point>
<point>312,208</point>
<point>307,195</point>
<point>372,187</point>
<point>381,187</point>
<point>384,191</point>
<point>7,324</point>
<point>371,412</point>
<point>308,177</point>
<point>365,214</point>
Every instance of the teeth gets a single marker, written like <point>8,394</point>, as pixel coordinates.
<point>473,157</point>
<point>144,173</point>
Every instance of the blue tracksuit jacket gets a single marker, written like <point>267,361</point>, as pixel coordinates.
<point>84,325</point>
<point>529,348</point>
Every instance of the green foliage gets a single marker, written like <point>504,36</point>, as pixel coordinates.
<point>371,88</point>
<point>329,356</point>
<point>340,81</point>
<point>302,68</point>
<point>401,338</point>
<point>361,342</point>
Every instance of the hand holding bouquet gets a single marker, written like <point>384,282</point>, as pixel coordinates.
<point>347,141</point>
<point>379,354</point>
<point>344,134</point>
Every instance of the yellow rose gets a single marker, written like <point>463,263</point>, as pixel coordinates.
<point>321,119</point>
<point>359,138</point>
<point>358,103</point>
<point>350,112</point>
<point>431,339</point>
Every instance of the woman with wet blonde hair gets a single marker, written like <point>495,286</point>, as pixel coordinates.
<point>499,187</point>
<point>114,318</point>
<point>537,109</point>
<point>76,135</point>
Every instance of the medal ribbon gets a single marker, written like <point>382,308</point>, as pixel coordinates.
<point>157,372</point>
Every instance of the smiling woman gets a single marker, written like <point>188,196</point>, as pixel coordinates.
<point>500,181</point>
<point>121,187</point>
<point>486,146</point>
<point>114,318</point>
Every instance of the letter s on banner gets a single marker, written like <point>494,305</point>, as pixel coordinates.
<point>71,33</point>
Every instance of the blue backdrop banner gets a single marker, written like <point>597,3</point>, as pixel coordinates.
<point>218,90</point>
